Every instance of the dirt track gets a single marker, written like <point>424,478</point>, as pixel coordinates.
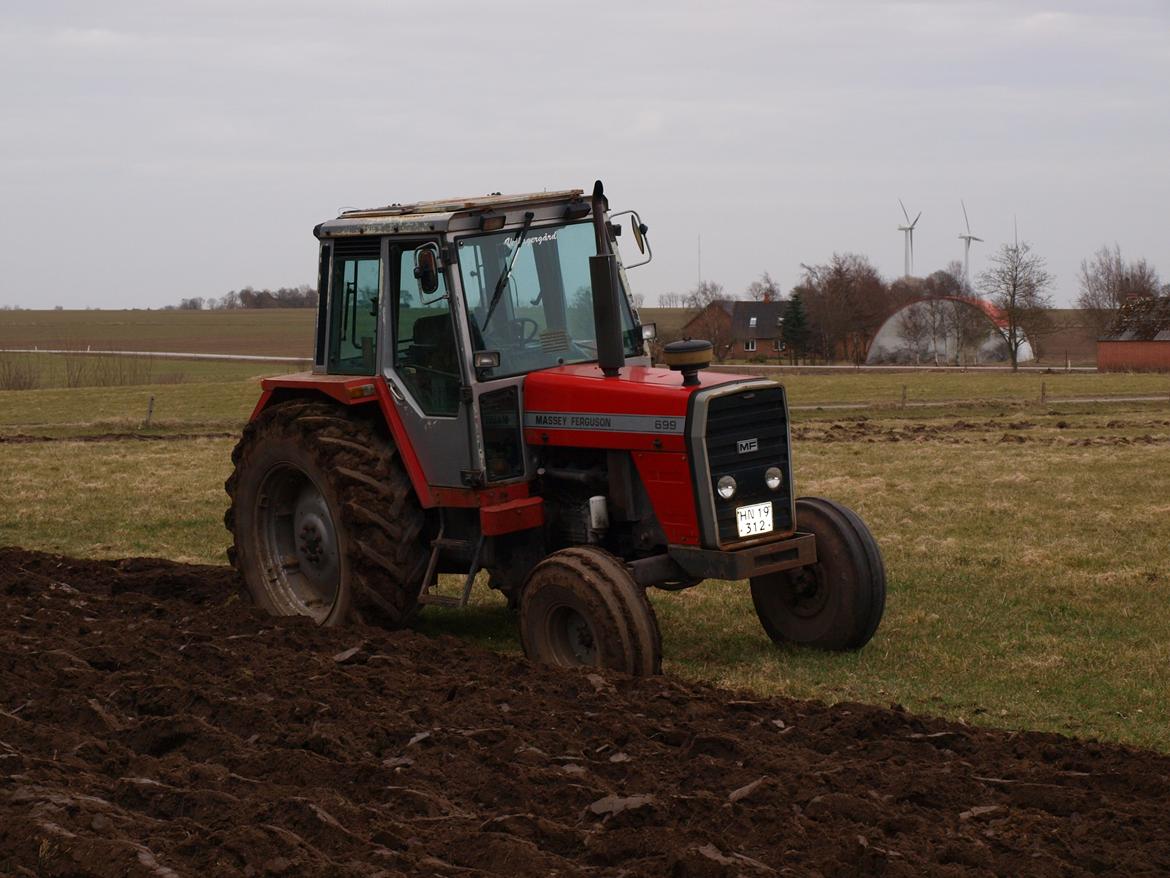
<point>151,724</point>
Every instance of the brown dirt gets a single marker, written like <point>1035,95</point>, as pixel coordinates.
<point>967,432</point>
<point>153,724</point>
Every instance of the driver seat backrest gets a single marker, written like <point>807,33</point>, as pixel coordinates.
<point>434,343</point>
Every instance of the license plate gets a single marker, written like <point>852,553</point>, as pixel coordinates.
<point>754,519</point>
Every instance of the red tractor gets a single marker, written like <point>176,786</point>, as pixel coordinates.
<point>481,399</point>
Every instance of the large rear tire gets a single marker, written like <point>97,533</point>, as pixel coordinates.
<point>581,607</point>
<point>836,603</point>
<point>324,521</point>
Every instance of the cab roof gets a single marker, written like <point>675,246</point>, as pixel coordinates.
<point>430,216</point>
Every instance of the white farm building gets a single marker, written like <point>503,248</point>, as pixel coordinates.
<point>945,331</point>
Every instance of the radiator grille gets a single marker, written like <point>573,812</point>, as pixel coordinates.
<point>746,433</point>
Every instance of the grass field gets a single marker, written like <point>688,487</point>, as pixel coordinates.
<point>276,332</point>
<point>1026,544</point>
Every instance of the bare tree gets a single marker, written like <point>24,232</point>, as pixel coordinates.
<point>943,283</point>
<point>847,302</point>
<point>704,293</point>
<point>915,328</point>
<point>968,326</point>
<point>937,313</point>
<point>670,300</point>
<point>714,324</point>
<point>764,290</point>
<point>963,284</point>
<point>1107,281</point>
<point>1017,284</point>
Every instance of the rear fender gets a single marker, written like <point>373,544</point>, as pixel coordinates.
<point>362,390</point>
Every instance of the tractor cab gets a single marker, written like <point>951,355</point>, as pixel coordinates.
<point>454,302</point>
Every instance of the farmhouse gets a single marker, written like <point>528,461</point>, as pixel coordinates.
<point>1139,338</point>
<point>740,330</point>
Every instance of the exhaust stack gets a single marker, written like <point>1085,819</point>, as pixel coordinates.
<point>603,275</point>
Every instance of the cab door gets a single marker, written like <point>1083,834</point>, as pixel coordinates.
<point>425,368</point>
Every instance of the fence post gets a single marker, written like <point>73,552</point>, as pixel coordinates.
<point>903,396</point>
<point>149,411</point>
<point>1043,392</point>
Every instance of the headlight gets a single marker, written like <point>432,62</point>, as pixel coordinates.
<point>773,478</point>
<point>726,487</point>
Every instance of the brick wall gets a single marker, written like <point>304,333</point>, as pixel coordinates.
<point>764,347</point>
<point>1133,356</point>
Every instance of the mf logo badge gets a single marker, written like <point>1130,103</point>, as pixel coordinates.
<point>746,446</point>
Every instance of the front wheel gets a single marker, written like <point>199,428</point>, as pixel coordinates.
<point>836,603</point>
<point>581,607</point>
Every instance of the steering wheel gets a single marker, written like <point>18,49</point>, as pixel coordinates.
<point>520,323</point>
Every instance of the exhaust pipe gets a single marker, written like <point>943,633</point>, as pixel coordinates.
<point>603,275</point>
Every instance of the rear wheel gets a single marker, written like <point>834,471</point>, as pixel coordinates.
<point>324,520</point>
<point>835,603</point>
<point>581,607</point>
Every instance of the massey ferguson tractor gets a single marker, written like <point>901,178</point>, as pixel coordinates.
<point>481,399</point>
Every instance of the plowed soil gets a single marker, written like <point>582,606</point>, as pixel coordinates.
<point>970,433</point>
<point>154,724</point>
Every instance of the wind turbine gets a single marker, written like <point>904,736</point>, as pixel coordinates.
<point>967,239</point>
<point>909,230</point>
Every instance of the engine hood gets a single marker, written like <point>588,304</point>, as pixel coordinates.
<point>644,408</point>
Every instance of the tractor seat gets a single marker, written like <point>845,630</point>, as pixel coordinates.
<point>433,344</point>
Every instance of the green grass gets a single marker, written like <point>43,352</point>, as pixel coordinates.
<point>89,370</point>
<point>117,499</point>
<point>1029,578</point>
<point>179,408</point>
<point>189,396</point>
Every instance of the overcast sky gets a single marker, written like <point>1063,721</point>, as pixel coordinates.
<point>151,151</point>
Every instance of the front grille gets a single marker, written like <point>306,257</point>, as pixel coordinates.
<point>745,433</point>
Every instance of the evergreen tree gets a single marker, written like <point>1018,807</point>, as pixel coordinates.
<point>794,334</point>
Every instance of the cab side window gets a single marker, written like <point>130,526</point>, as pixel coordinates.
<point>353,317</point>
<point>425,353</point>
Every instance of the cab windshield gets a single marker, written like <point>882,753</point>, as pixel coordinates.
<point>544,315</point>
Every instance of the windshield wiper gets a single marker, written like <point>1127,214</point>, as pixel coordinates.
<point>502,282</point>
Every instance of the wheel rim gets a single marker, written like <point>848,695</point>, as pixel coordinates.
<point>298,544</point>
<point>571,637</point>
<point>806,591</point>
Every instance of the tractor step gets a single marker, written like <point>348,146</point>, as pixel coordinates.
<point>445,543</point>
<point>440,600</point>
<point>439,545</point>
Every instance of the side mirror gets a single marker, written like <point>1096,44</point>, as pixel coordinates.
<point>639,229</point>
<point>426,268</point>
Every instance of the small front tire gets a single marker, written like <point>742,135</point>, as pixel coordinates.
<point>581,607</point>
<point>836,603</point>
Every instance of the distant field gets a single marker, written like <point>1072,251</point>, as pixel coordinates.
<point>275,332</point>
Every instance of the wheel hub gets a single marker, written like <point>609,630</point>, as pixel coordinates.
<point>299,544</point>
<point>316,541</point>
<point>572,637</point>
<point>310,543</point>
<point>807,592</point>
<point>580,638</point>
